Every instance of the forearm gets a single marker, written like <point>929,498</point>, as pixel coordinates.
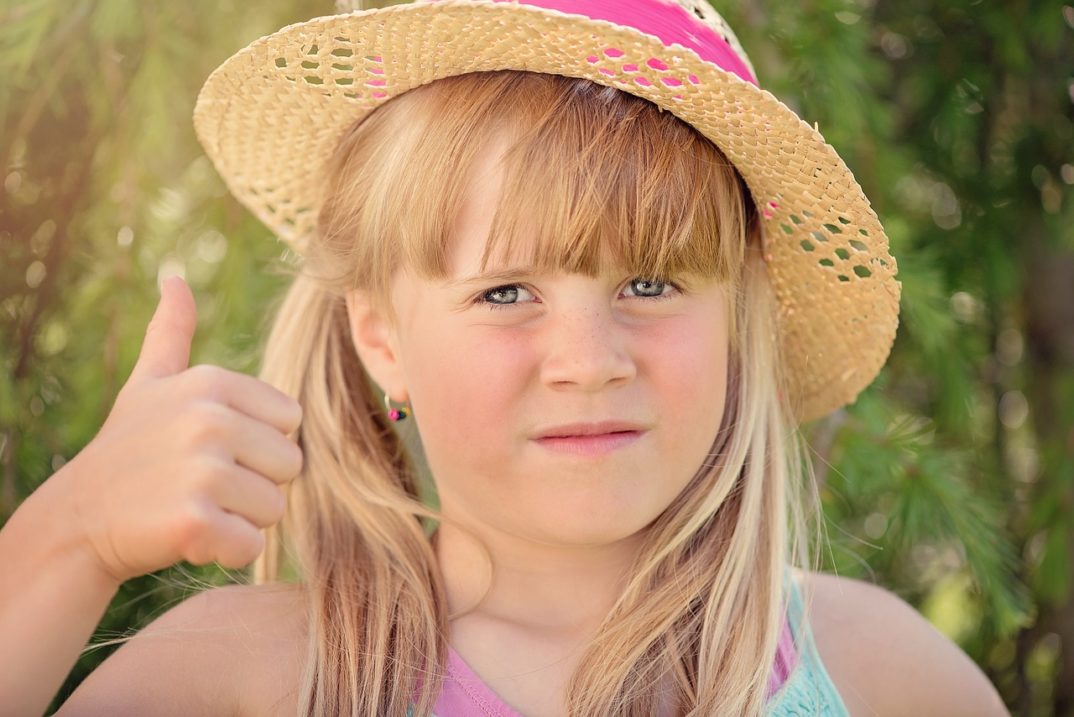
<point>52,596</point>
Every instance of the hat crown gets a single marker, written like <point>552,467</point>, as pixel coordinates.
<point>700,10</point>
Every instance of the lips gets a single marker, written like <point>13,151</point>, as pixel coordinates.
<point>590,440</point>
<point>596,428</point>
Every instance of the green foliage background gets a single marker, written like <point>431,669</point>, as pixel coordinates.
<point>950,481</point>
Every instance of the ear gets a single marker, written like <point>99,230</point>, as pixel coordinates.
<point>376,341</point>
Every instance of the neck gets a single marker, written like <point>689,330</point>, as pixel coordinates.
<point>532,586</point>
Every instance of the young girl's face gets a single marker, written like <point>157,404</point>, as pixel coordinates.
<point>489,364</point>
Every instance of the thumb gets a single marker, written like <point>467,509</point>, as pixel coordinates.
<point>166,349</point>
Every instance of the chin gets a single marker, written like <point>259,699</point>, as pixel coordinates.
<point>589,529</point>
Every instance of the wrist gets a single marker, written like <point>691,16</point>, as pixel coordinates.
<point>65,538</point>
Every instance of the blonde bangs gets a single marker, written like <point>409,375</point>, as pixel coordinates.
<point>606,179</point>
<point>594,178</point>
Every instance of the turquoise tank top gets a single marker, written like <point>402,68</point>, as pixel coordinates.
<point>809,689</point>
<point>801,685</point>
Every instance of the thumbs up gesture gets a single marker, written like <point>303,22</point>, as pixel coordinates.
<point>189,463</point>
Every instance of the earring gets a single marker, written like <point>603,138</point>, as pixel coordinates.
<point>396,414</point>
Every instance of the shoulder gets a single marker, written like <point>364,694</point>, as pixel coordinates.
<point>233,650</point>
<point>885,658</point>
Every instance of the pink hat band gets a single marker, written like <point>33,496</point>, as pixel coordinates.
<point>667,20</point>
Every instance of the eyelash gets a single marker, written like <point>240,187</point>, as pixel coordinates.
<point>494,306</point>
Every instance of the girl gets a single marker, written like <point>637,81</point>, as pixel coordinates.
<point>567,253</point>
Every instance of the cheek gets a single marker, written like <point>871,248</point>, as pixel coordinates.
<point>689,375</point>
<point>688,361</point>
<point>464,389</point>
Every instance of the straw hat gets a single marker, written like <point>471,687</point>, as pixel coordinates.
<point>271,115</point>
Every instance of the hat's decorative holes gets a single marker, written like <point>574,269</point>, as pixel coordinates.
<point>807,214</point>
<point>671,81</point>
<point>787,228</point>
<point>882,262</point>
<point>863,232</point>
<point>774,205</point>
<point>796,219</point>
<point>351,95</point>
<point>643,81</point>
<point>313,50</point>
<point>807,245</point>
<point>309,65</point>
<point>378,94</point>
<point>613,52</point>
<point>376,82</point>
<point>826,262</point>
<point>656,64</point>
<point>342,51</point>
<point>345,81</point>
<point>842,253</point>
<point>833,229</point>
<point>843,278</point>
<point>342,68</point>
<point>767,214</point>
<point>375,70</point>
<point>693,78</point>
<point>819,236</point>
<point>606,71</point>
<point>313,80</point>
<point>858,245</point>
<point>630,67</point>
<point>592,59</point>
<point>281,62</point>
<point>862,271</point>
<point>677,97</point>
<point>843,220</point>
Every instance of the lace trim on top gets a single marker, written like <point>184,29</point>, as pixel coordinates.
<point>809,690</point>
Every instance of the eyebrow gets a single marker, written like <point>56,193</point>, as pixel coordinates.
<point>503,275</point>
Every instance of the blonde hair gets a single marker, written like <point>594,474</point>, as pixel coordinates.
<point>594,173</point>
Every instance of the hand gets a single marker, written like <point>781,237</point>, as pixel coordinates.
<point>189,463</point>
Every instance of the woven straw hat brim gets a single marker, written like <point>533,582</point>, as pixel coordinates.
<point>271,115</point>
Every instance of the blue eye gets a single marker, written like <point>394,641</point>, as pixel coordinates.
<point>509,292</point>
<point>658,283</point>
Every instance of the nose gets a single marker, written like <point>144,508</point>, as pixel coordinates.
<point>587,349</point>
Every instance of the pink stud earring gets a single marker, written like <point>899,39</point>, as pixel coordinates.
<point>396,414</point>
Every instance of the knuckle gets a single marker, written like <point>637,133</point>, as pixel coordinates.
<point>208,421</point>
<point>194,533</point>
<point>207,380</point>
<point>207,473</point>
